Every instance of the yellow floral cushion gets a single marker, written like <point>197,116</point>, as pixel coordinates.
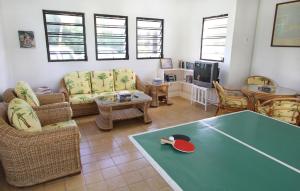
<point>236,102</point>
<point>63,124</point>
<point>263,109</point>
<point>124,79</point>
<point>24,91</point>
<point>81,98</point>
<point>78,82</point>
<point>258,80</point>
<point>22,116</point>
<point>102,81</point>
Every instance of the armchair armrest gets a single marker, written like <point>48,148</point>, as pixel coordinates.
<point>51,106</point>
<point>64,90</point>
<point>51,98</point>
<point>51,116</point>
<point>140,85</point>
<point>8,95</point>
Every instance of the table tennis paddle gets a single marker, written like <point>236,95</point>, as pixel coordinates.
<point>179,136</point>
<point>180,145</point>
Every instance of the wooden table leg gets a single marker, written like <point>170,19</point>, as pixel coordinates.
<point>104,120</point>
<point>147,118</point>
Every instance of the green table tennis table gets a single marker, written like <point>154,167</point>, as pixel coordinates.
<point>240,151</point>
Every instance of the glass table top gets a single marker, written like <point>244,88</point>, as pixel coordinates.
<point>275,90</point>
<point>112,100</point>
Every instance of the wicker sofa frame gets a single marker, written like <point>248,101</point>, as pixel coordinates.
<point>91,108</point>
<point>30,158</point>
<point>47,101</point>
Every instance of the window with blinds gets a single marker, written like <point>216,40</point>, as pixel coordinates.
<point>65,36</point>
<point>213,41</point>
<point>149,38</point>
<point>111,37</point>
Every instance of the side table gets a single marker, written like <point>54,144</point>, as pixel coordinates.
<point>159,93</point>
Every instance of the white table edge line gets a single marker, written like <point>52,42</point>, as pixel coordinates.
<point>156,166</point>
<point>253,148</point>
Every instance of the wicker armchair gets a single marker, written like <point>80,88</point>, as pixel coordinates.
<point>230,100</point>
<point>259,80</point>
<point>47,101</point>
<point>29,158</point>
<point>91,108</point>
<point>284,109</point>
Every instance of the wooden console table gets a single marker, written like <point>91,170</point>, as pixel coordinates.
<point>158,93</point>
<point>111,109</point>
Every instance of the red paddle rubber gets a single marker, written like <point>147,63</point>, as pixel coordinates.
<point>180,145</point>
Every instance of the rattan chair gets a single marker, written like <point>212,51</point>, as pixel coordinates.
<point>229,100</point>
<point>284,109</point>
<point>47,101</point>
<point>30,158</point>
<point>259,80</point>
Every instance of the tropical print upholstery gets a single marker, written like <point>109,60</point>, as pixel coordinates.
<point>228,99</point>
<point>78,82</point>
<point>259,80</point>
<point>124,79</point>
<point>284,110</point>
<point>22,116</point>
<point>24,91</point>
<point>102,81</point>
<point>81,98</point>
<point>59,125</point>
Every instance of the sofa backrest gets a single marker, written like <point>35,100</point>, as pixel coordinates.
<point>124,79</point>
<point>102,81</point>
<point>78,82</point>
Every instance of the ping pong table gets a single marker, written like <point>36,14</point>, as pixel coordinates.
<point>239,151</point>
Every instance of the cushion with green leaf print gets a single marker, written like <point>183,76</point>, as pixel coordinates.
<point>81,98</point>
<point>22,116</point>
<point>64,124</point>
<point>124,79</point>
<point>78,82</point>
<point>24,91</point>
<point>102,81</point>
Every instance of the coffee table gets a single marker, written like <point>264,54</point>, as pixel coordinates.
<point>111,109</point>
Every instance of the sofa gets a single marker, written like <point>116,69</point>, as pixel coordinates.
<point>82,87</point>
<point>38,154</point>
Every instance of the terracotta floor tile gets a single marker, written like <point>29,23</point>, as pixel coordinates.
<point>139,186</point>
<point>148,172</point>
<point>93,177</point>
<point>115,183</point>
<point>132,177</point>
<point>90,167</point>
<point>99,186</point>
<point>106,163</point>
<point>156,183</point>
<point>110,172</point>
<point>58,185</point>
<point>74,182</point>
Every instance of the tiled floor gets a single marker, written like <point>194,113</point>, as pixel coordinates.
<point>111,162</point>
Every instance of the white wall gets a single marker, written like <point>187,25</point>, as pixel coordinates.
<point>280,64</point>
<point>3,63</point>
<point>242,42</point>
<point>32,65</point>
<point>191,29</point>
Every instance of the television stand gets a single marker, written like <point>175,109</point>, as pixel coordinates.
<point>189,91</point>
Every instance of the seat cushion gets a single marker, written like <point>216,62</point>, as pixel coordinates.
<point>236,102</point>
<point>81,98</point>
<point>64,124</point>
<point>258,80</point>
<point>24,91</point>
<point>22,116</point>
<point>124,79</point>
<point>78,83</point>
<point>263,109</point>
<point>102,81</point>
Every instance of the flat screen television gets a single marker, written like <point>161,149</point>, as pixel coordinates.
<point>205,73</point>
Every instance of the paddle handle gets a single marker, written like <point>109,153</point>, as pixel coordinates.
<point>166,141</point>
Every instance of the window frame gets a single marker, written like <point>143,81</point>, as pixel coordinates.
<point>162,38</point>
<point>46,33</point>
<point>201,47</point>
<point>96,43</point>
